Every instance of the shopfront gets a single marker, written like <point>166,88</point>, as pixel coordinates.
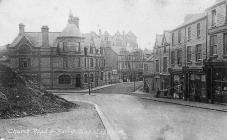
<point>216,76</point>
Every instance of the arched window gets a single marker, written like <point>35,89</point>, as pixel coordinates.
<point>64,79</point>
<point>85,78</point>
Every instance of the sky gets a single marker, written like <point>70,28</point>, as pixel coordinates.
<point>145,18</point>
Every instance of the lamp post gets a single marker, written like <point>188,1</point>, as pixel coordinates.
<point>89,82</point>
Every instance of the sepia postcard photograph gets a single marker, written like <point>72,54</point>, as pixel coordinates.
<point>113,69</point>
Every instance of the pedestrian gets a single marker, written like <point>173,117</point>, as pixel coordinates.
<point>158,93</point>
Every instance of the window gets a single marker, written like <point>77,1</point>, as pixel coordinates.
<point>96,62</point>
<point>109,75</point>
<point>24,62</point>
<point>77,46</point>
<point>172,38</point>
<point>64,46</point>
<point>157,66</point>
<point>91,62</point>
<point>179,36</point>
<point>101,77</point>
<point>65,62</point>
<point>173,57</point>
<point>92,78</point>
<point>225,13</point>
<point>64,79</point>
<point>101,50</point>
<point>91,48</point>
<point>164,49</point>
<point>198,30</point>
<point>179,57</point>
<point>213,22</point>
<point>225,44</point>
<point>79,62</point>
<point>213,45</point>
<point>198,52</point>
<point>189,54</point>
<point>189,33</point>
<point>85,62</point>
<point>85,78</point>
<point>24,49</point>
<point>165,64</point>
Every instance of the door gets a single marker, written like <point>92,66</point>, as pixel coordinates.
<point>78,80</point>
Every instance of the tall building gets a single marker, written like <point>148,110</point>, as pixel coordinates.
<point>216,64</point>
<point>59,60</point>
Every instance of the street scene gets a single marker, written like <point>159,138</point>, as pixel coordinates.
<point>113,70</point>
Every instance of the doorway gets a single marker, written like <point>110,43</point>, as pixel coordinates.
<point>78,80</point>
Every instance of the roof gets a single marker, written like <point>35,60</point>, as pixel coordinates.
<point>71,30</point>
<point>194,18</point>
<point>35,38</point>
<point>217,3</point>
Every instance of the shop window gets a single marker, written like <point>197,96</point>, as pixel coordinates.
<point>24,62</point>
<point>213,45</point>
<point>64,79</point>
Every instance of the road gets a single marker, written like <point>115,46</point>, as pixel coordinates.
<point>133,118</point>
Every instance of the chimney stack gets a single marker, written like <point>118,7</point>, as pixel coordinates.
<point>21,28</point>
<point>45,36</point>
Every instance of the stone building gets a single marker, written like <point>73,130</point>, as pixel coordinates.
<point>148,74</point>
<point>57,60</point>
<point>216,64</point>
<point>188,51</point>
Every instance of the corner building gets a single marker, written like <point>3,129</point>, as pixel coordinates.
<point>56,60</point>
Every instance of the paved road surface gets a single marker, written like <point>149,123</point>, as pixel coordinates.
<point>136,119</point>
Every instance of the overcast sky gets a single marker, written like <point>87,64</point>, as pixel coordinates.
<point>143,17</point>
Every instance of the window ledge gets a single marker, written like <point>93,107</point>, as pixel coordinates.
<point>189,62</point>
<point>214,56</point>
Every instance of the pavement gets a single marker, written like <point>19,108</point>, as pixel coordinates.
<point>83,90</point>
<point>150,96</point>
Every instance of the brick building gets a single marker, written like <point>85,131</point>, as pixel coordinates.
<point>57,60</point>
<point>216,64</point>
